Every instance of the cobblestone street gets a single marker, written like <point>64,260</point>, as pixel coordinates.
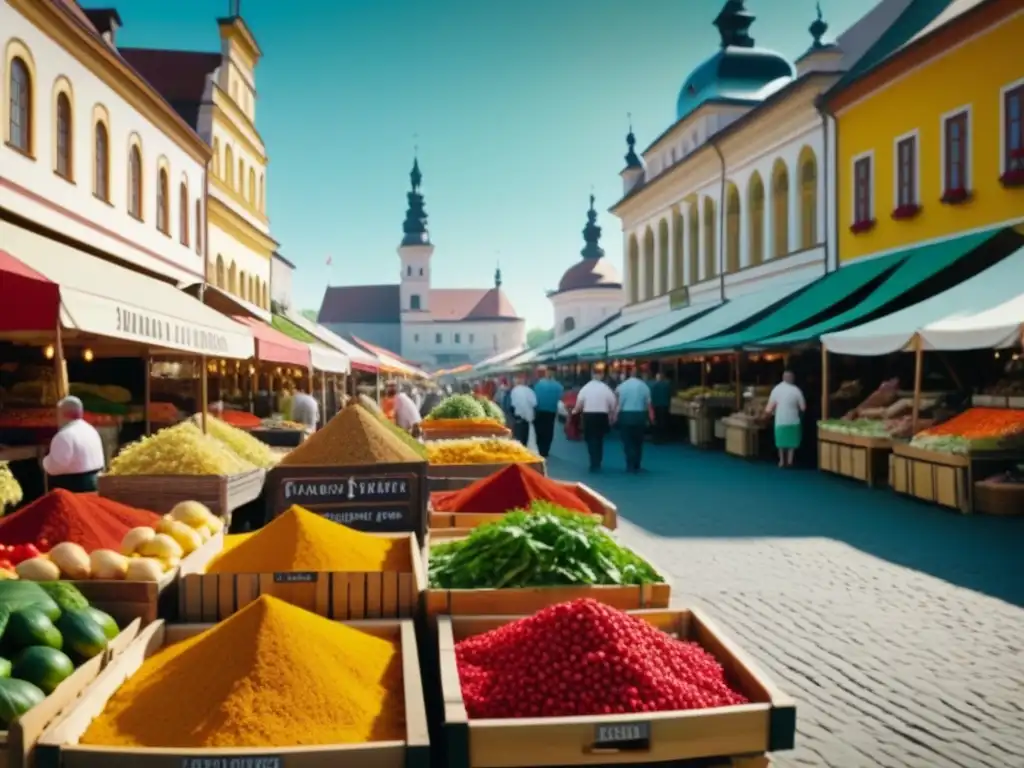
<point>898,627</point>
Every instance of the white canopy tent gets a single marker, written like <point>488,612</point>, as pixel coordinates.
<point>984,312</point>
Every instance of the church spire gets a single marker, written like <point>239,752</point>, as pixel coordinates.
<point>818,29</point>
<point>415,225</point>
<point>592,235</point>
<point>632,159</point>
<point>734,25</point>
<point>497,276</point>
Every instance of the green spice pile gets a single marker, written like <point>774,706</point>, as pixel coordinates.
<point>459,407</point>
<point>544,546</point>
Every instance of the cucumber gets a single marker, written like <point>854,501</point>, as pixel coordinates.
<point>31,626</point>
<point>45,668</point>
<point>105,620</point>
<point>16,698</point>
<point>5,668</point>
<point>65,595</point>
<point>83,636</point>
<point>18,594</point>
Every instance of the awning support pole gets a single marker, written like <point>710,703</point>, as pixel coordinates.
<point>824,382</point>
<point>323,397</point>
<point>147,394</point>
<point>918,375</point>
<point>739,379</point>
<point>703,372</point>
<point>60,365</point>
<point>204,393</point>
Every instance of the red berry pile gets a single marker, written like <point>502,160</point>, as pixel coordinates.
<point>585,658</point>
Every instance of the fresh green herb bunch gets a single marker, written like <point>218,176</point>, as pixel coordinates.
<point>458,407</point>
<point>543,546</point>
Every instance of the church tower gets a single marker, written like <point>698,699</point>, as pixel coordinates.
<point>415,250</point>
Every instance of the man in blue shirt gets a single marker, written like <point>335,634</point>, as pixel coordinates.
<point>549,394</point>
<point>632,413</point>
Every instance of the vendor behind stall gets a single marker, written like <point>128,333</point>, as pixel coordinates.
<point>76,451</point>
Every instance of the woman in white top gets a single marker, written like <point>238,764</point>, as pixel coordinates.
<point>787,403</point>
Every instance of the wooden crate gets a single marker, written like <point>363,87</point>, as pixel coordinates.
<point>375,498</point>
<point>59,747</point>
<point>211,597</point>
<point>523,601</point>
<point>940,478</point>
<point>741,733</point>
<point>221,493</point>
<point>466,521</point>
<point>476,471</point>
<point>456,434</point>
<point>998,498</point>
<point>17,744</point>
<point>742,438</point>
<point>865,459</point>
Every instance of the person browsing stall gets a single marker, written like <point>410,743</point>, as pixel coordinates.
<point>549,394</point>
<point>787,402</point>
<point>76,456</point>
<point>524,405</point>
<point>632,413</point>
<point>596,401</point>
<point>305,410</point>
<point>407,414</point>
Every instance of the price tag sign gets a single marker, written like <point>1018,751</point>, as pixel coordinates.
<point>631,737</point>
<point>296,577</point>
<point>249,761</point>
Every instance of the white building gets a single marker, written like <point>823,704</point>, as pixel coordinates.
<point>281,271</point>
<point>591,289</point>
<point>90,151</point>
<point>432,327</point>
<point>731,198</point>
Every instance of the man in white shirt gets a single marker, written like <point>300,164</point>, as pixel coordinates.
<point>76,451</point>
<point>305,410</point>
<point>787,403</point>
<point>597,403</point>
<point>524,405</point>
<point>407,413</point>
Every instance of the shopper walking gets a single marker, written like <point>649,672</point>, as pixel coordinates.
<point>76,451</point>
<point>524,405</point>
<point>305,410</point>
<point>787,402</point>
<point>661,400</point>
<point>549,394</point>
<point>596,402</point>
<point>632,414</point>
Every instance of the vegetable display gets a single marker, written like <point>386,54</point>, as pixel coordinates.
<point>975,430</point>
<point>46,630</point>
<point>543,546</point>
<point>492,410</point>
<point>459,407</point>
<point>465,427</point>
<point>585,658</point>
<point>10,489</point>
<point>271,675</point>
<point>354,437</point>
<point>857,427</point>
<point>179,450</point>
<point>479,450</point>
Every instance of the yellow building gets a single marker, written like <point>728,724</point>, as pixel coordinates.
<point>216,94</point>
<point>930,136</point>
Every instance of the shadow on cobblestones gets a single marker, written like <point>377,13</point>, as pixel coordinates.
<point>689,493</point>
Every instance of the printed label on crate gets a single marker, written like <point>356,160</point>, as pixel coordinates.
<point>341,490</point>
<point>295,577</point>
<point>373,519</point>
<point>249,761</point>
<point>624,736</point>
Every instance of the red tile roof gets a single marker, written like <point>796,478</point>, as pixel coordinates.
<point>360,304</point>
<point>178,76</point>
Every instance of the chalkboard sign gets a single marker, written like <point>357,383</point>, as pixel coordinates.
<point>296,577</point>
<point>379,498</point>
<point>248,761</point>
<point>634,736</point>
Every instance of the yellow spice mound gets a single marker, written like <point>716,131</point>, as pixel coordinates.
<point>272,675</point>
<point>354,437</point>
<point>300,540</point>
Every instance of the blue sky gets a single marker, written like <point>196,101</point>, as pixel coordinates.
<point>519,109</point>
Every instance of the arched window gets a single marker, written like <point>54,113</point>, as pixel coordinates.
<point>266,296</point>
<point>732,229</point>
<point>243,285</point>
<point>183,213</point>
<point>65,138</point>
<point>221,279</point>
<point>233,279</point>
<point>216,157</point>
<point>263,200</point>
<point>253,296</point>
<point>568,324</point>
<point>694,219</point>
<point>101,173</point>
<point>663,248</point>
<point>710,249</point>
<point>252,187</point>
<point>199,227</point>
<point>19,115</point>
<point>755,195</point>
<point>135,181</point>
<point>808,201</point>
<point>780,210</point>
<point>163,202</point>
<point>634,270</point>
<point>241,175</point>
<point>229,166</point>
<point>649,264</point>
<point>678,258</point>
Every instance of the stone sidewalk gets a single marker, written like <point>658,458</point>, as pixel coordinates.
<point>898,627</point>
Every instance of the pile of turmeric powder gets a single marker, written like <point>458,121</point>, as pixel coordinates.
<point>300,540</point>
<point>272,675</point>
<point>354,437</point>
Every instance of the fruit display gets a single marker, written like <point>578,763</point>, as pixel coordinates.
<point>164,413</point>
<point>10,489</point>
<point>873,407</point>
<point>705,393</point>
<point>479,450</point>
<point>276,422</point>
<point>46,418</point>
<point>179,450</point>
<point>585,658</point>
<point>459,407</point>
<point>46,631</point>
<point>975,430</point>
<point>848,390</point>
<point>108,392</point>
<point>240,419</point>
<point>239,441</point>
<point>543,546</point>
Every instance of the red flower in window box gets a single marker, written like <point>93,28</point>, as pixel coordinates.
<point>956,196</point>
<point>1014,178</point>
<point>1017,154</point>
<point>906,211</point>
<point>862,226</point>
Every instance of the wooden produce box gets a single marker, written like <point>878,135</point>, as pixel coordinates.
<point>862,458</point>
<point>998,498</point>
<point>743,438</point>
<point>740,735</point>
<point>59,747</point>
<point>211,597</point>
<point>476,471</point>
<point>701,429</point>
<point>455,434</point>
<point>522,601</point>
<point>466,521</point>
<point>376,498</point>
<point>945,479</point>
<point>221,493</point>
<point>17,744</point>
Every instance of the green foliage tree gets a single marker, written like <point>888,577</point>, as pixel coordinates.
<point>537,336</point>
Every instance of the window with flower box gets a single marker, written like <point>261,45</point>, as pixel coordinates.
<point>863,219</point>
<point>907,205</point>
<point>955,155</point>
<point>1013,136</point>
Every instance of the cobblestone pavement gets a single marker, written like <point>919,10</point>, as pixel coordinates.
<point>898,627</point>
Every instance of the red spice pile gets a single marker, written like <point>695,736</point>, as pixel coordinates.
<point>514,487</point>
<point>84,518</point>
<point>586,658</point>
